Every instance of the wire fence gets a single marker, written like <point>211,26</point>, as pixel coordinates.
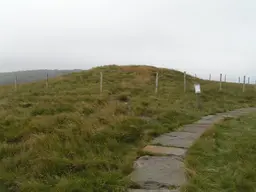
<point>222,79</point>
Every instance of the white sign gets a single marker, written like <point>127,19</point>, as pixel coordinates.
<point>197,88</point>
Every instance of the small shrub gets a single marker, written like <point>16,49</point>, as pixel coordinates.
<point>124,97</point>
<point>26,105</point>
<point>121,110</point>
<point>87,111</point>
<point>42,111</point>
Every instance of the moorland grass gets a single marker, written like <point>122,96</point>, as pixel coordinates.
<point>70,137</point>
<point>224,159</point>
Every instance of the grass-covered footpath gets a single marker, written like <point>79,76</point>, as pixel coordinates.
<point>70,138</point>
<point>224,159</point>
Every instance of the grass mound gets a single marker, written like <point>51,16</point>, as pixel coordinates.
<point>70,137</point>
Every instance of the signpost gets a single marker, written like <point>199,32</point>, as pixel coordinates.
<point>197,91</point>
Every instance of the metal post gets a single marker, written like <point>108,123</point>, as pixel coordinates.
<point>210,77</point>
<point>197,101</point>
<point>225,78</point>
<point>239,80</point>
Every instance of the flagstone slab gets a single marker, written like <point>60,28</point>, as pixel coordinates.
<point>154,172</point>
<point>195,128</point>
<point>208,117</point>
<point>165,150</point>
<point>183,135</point>
<point>168,140</point>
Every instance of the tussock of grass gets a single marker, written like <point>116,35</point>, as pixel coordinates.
<point>224,158</point>
<point>70,137</point>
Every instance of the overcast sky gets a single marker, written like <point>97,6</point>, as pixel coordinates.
<point>199,36</point>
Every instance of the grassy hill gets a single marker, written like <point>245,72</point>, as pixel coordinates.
<point>31,76</point>
<point>70,138</point>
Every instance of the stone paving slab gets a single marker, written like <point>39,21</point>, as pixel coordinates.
<point>166,140</point>
<point>237,113</point>
<point>152,172</point>
<point>196,128</point>
<point>165,150</point>
<point>182,135</point>
<point>199,125</point>
<point>206,121</point>
<point>154,190</point>
<point>208,117</point>
<point>176,139</point>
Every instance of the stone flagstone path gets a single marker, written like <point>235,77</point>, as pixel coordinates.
<point>165,171</point>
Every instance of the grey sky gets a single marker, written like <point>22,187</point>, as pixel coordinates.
<point>199,36</point>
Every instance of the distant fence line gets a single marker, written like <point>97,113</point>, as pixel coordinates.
<point>157,81</point>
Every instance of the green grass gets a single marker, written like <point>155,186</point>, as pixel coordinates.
<point>224,159</point>
<point>70,138</point>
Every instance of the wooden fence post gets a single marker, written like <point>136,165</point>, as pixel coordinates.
<point>156,90</point>
<point>15,83</point>
<point>185,81</point>
<point>47,81</point>
<point>220,82</point>
<point>101,82</point>
<point>244,84</point>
